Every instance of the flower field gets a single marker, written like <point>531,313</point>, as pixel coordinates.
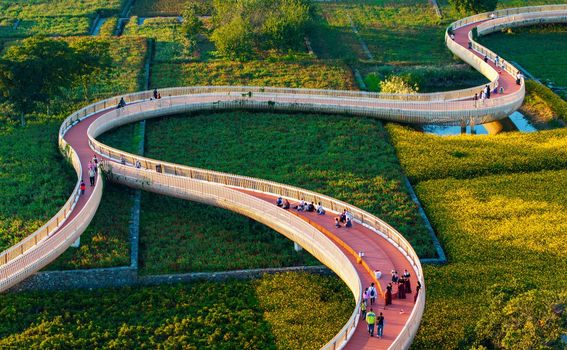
<point>468,156</point>
<point>496,230</point>
<point>256,314</point>
<point>497,205</point>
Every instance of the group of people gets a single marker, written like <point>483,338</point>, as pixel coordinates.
<point>485,94</point>
<point>345,218</point>
<point>369,296</point>
<point>301,206</point>
<point>92,167</point>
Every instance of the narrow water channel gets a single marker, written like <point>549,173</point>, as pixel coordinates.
<point>515,122</point>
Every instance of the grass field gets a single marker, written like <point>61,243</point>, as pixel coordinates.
<point>171,45</point>
<point>35,180</point>
<point>329,154</point>
<point>503,230</point>
<point>303,73</point>
<point>467,156</point>
<point>499,214</point>
<point>549,42</point>
<point>149,8</point>
<point>406,32</point>
<point>256,314</point>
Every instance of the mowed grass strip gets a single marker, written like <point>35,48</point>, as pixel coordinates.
<point>256,314</point>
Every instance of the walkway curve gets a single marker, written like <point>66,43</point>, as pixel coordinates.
<point>383,245</point>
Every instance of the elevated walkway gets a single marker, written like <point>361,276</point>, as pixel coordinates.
<point>384,247</point>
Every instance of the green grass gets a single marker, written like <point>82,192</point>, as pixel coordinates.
<point>49,8</point>
<point>495,230</point>
<point>182,236</point>
<point>303,73</point>
<point>546,42</point>
<point>35,180</point>
<point>466,156</point>
<point>159,7</point>
<point>171,45</point>
<point>256,314</point>
<point>406,32</point>
<point>347,158</point>
<point>51,26</point>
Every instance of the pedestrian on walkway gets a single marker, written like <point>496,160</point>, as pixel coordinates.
<point>365,296</point>
<point>95,163</point>
<point>417,289</point>
<point>475,99</point>
<point>82,187</point>
<point>380,325</point>
<point>363,310</point>
<point>92,176</point>
<point>371,320</point>
<point>155,94</point>
<point>389,294</point>
<point>372,293</point>
<point>485,59</point>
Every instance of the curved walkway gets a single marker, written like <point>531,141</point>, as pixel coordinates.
<point>383,246</point>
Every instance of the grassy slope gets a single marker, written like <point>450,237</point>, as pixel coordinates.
<point>258,314</point>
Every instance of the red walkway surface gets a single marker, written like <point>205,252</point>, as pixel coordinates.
<point>379,253</point>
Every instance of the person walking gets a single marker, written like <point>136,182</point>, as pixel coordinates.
<point>372,293</point>
<point>371,320</point>
<point>92,176</point>
<point>363,310</point>
<point>380,325</point>
<point>365,296</point>
<point>155,94</point>
<point>475,100</point>
<point>417,289</point>
<point>95,163</point>
<point>83,187</point>
<point>389,294</point>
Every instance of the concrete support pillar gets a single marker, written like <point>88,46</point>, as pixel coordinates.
<point>463,127</point>
<point>297,247</point>
<point>77,243</point>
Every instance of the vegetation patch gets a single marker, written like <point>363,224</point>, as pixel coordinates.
<point>549,42</point>
<point>498,232</point>
<point>465,156</point>
<point>305,73</point>
<point>182,236</point>
<point>346,158</point>
<point>150,8</point>
<point>35,180</point>
<point>543,104</point>
<point>257,314</point>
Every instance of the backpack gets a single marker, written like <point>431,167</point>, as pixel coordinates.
<point>372,292</point>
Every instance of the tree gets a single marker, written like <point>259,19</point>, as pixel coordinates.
<point>34,71</point>
<point>39,69</point>
<point>270,24</point>
<point>474,6</point>
<point>234,40</point>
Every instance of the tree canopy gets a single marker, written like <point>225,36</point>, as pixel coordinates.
<point>39,69</point>
<point>474,6</point>
<point>244,26</point>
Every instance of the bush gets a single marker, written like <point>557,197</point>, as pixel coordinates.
<point>543,103</point>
